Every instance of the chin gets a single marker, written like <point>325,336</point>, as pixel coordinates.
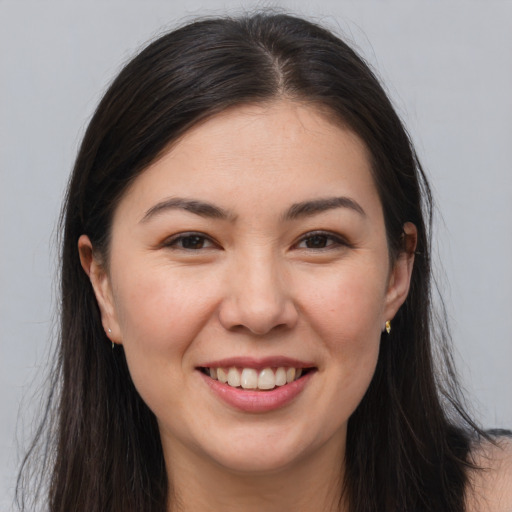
<point>262,452</point>
<point>253,462</point>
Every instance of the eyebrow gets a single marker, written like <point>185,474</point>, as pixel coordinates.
<point>201,208</point>
<point>308,208</point>
<point>208,210</point>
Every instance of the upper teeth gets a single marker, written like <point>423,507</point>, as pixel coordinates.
<point>249,378</point>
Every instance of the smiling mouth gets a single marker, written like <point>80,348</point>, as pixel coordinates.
<point>266,379</point>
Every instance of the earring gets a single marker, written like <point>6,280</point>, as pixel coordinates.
<point>388,326</point>
<point>110,332</point>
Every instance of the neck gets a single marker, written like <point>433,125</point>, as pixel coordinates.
<point>313,483</point>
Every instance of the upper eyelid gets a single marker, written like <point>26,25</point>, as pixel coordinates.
<point>341,240</point>
<point>328,234</point>
<point>176,237</point>
<point>319,232</point>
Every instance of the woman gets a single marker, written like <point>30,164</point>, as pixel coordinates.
<point>246,313</point>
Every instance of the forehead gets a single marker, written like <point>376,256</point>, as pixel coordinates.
<point>259,154</point>
<point>269,131</point>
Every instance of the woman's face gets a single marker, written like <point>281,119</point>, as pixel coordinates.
<point>254,250</point>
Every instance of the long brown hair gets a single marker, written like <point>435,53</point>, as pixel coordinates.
<point>409,439</point>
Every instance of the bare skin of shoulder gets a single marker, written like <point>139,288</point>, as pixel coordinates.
<point>490,488</point>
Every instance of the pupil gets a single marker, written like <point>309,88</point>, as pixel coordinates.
<point>192,242</point>
<point>316,242</point>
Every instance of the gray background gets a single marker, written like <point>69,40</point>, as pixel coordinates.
<point>448,68</point>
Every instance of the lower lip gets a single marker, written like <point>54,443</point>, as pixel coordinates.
<point>258,401</point>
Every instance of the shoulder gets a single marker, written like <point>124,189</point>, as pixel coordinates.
<point>490,484</point>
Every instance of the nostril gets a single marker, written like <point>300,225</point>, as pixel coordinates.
<point>247,316</point>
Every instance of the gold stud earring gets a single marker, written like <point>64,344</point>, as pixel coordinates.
<point>388,326</point>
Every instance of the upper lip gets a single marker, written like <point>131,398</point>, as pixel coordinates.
<point>257,363</point>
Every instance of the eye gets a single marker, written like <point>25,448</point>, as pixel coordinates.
<point>189,242</point>
<point>320,240</point>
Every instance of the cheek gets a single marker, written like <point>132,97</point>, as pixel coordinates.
<point>347,308</point>
<point>162,309</point>
<point>160,314</point>
<point>345,313</point>
<point>159,320</point>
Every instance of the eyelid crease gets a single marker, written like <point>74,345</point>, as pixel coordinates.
<point>170,242</point>
<point>336,239</point>
<point>339,240</point>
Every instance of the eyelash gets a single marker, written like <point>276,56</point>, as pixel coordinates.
<point>175,240</point>
<point>331,241</point>
<point>336,241</point>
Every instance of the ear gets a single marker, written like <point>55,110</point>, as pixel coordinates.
<point>102,287</point>
<point>400,276</point>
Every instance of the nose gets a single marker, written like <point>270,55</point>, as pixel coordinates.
<point>258,298</point>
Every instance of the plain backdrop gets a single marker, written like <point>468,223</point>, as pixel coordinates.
<point>448,68</point>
